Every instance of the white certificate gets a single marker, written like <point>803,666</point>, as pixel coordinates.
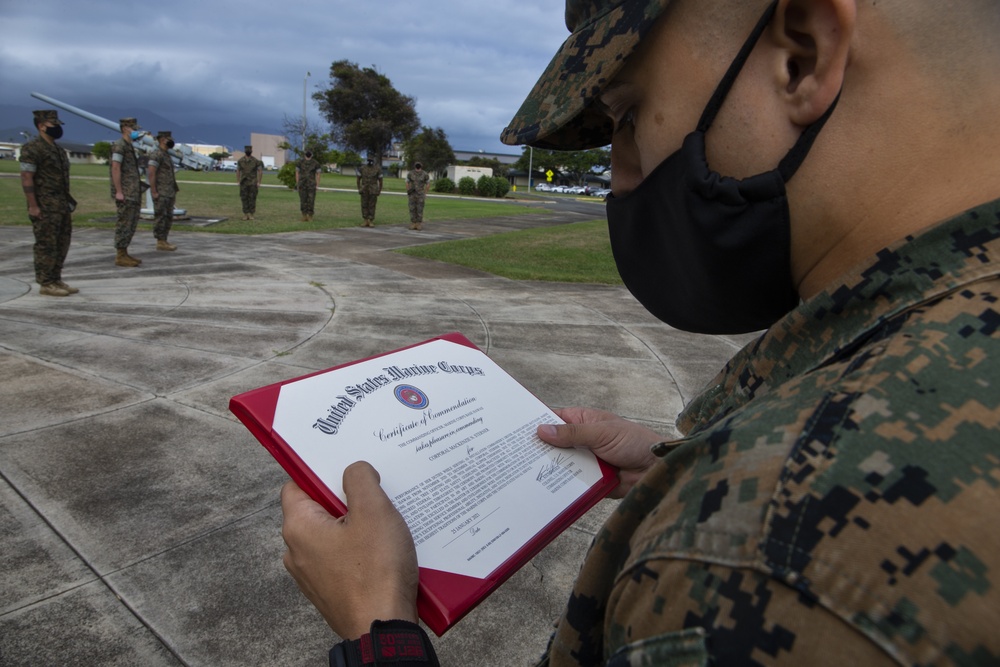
<point>453,438</point>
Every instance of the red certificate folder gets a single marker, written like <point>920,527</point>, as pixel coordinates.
<point>444,597</point>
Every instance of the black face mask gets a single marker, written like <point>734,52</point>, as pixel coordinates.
<point>170,143</point>
<point>703,252</point>
<point>54,131</point>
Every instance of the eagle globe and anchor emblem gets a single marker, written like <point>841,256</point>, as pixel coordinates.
<point>411,397</point>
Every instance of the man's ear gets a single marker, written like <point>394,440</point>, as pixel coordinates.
<point>813,38</point>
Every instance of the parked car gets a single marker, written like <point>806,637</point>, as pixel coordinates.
<point>543,187</point>
<point>600,192</point>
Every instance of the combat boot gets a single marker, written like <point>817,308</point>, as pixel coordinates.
<point>305,218</point>
<point>52,289</point>
<point>161,244</point>
<point>249,216</point>
<point>71,290</point>
<point>123,259</point>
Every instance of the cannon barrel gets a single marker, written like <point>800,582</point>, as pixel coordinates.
<point>181,154</point>
<point>111,125</point>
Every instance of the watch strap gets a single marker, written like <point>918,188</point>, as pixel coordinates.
<point>387,644</point>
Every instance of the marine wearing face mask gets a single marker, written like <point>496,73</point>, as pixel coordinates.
<point>832,496</point>
<point>126,189</point>
<point>45,181</point>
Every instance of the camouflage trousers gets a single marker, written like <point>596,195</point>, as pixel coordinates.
<point>307,200</point>
<point>248,195</point>
<point>163,208</point>
<point>52,237</point>
<point>416,208</point>
<point>128,218</point>
<point>368,201</point>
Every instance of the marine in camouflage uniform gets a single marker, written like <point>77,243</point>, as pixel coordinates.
<point>45,181</point>
<point>249,173</point>
<point>417,182</point>
<point>126,189</point>
<point>837,484</point>
<point>369,187</point>
<point>307,175</point>
<point>833,499</point>
<point>163,186</point>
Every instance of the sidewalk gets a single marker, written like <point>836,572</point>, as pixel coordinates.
<point>139,521</point>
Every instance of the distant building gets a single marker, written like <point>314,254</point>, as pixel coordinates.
<point>265,149</point>
<point>458,172</point>
<point>80,153</point>
<point>208,149</point>
<point>502,158</point>
<point>9,150</point>
<point>77,153</point>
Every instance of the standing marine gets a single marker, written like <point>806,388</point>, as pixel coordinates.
<point>45,181</point>
<point>126,188</point>
<point>249,174</point>
<point>163,188</point>
<point>307,175</point>
<point>417,184</point>
<point>370,187</point>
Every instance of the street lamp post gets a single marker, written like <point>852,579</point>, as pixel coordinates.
<point>304,124</point>
<point>531,158</point>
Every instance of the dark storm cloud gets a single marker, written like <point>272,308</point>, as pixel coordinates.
<point>468,64</point>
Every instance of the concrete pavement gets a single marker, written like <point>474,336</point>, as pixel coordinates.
<point>139,521</point>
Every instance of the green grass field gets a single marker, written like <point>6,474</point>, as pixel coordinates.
<point>575,253</point>
<point>579,252</point>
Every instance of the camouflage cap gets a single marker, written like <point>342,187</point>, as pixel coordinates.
<point>559,112</point>
<point>247,149</point>
<point>46,115</point>
<point>163,134</point>
<point>129,122</point>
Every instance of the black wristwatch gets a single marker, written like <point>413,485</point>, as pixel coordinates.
<point>387,644</point>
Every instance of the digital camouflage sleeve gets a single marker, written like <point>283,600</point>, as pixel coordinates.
<point>835,500</point>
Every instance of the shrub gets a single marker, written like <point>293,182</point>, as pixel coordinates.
<point>286,174</point>
<point>467,185</point>
<point>486,186</point>
<point>443,185</point>
<point>501,186</point>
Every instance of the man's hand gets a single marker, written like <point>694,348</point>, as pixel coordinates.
<point>34,211</point>
<point>119,196</point>
<point>615,440</point>
<point>358,568</point>
<point>154,194</point>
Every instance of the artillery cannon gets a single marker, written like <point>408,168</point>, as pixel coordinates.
<point>181,154</point>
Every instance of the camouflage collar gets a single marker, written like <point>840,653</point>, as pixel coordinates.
<point>942,260</point>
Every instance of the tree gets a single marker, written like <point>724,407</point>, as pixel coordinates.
<point>220,155</point>
<point>366,114</point>
<point>541,159</point>
<point>578,164</point>
<point>101,150</point>
<point>431,149</point>
<point>319,144</point>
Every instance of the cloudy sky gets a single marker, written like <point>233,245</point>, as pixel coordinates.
<point>468,63</point>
